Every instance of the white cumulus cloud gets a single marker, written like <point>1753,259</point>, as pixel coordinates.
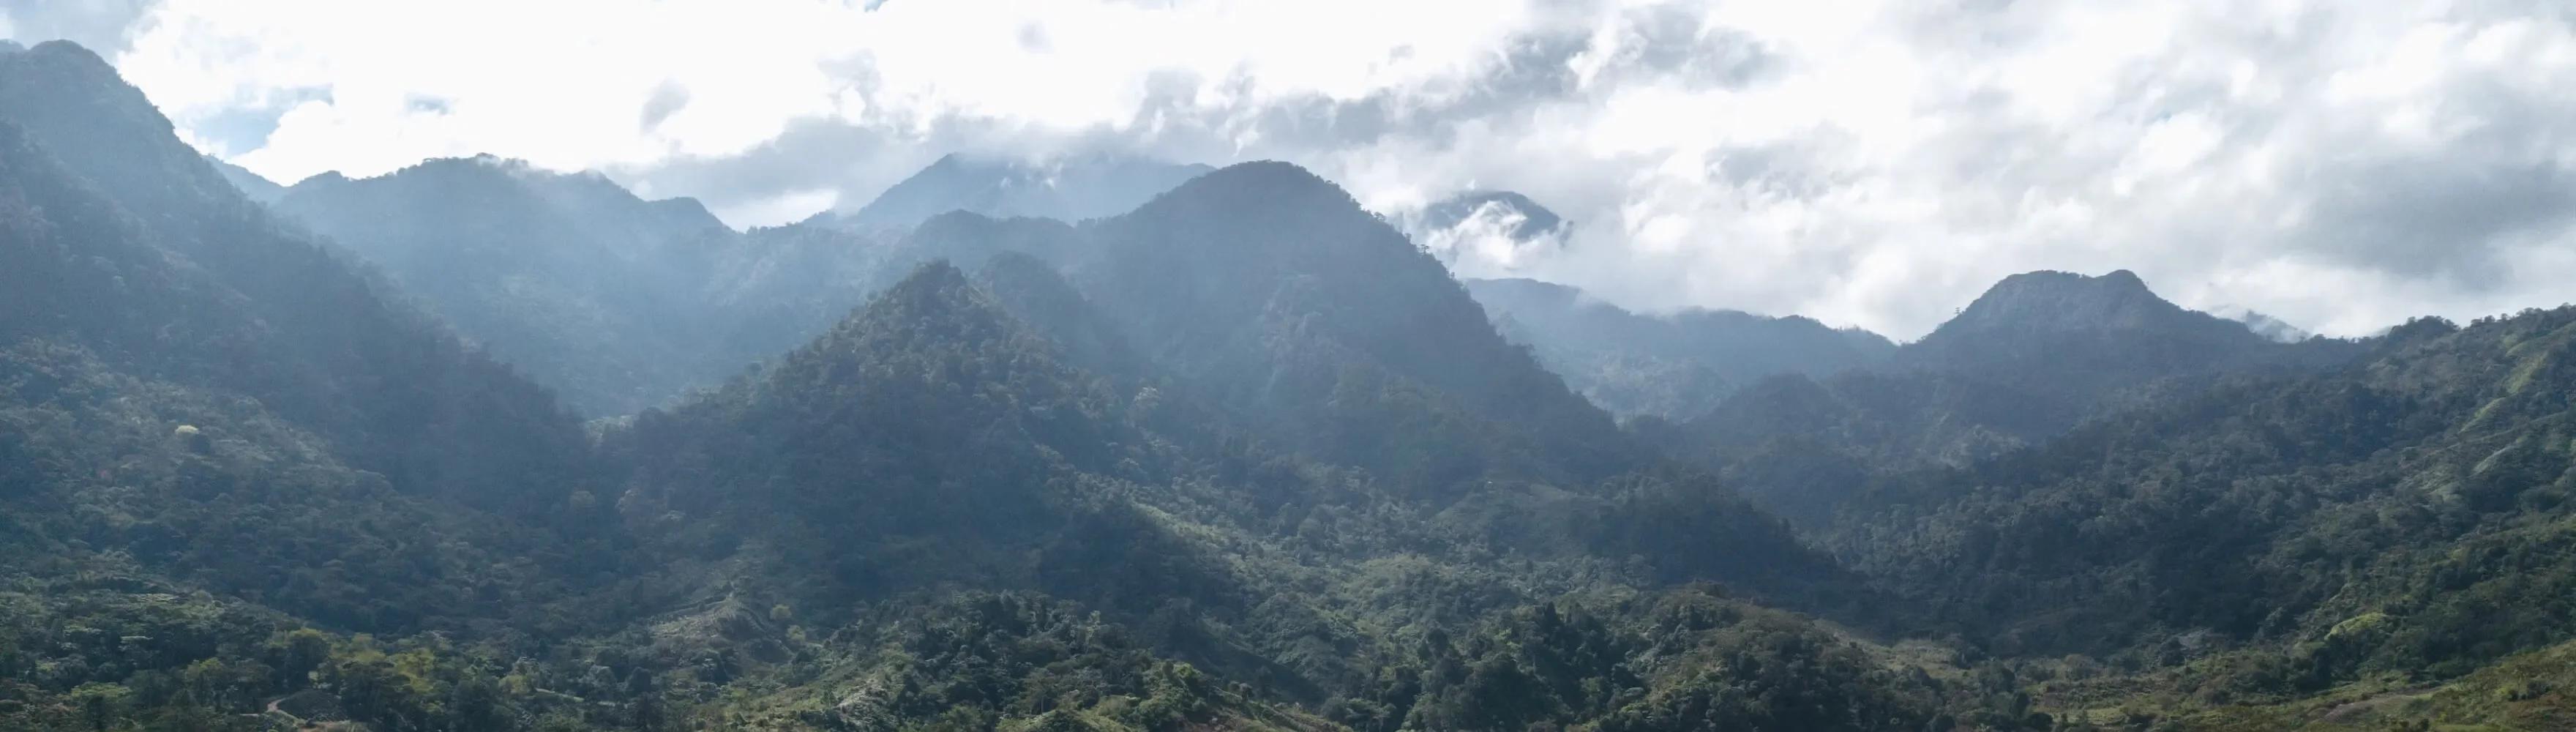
<point>2338,165</point>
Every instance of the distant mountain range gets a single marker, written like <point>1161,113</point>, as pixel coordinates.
<point>1069,189</point>
<point>1526,218</point>
<point>622,303</point>
<point>1487,233</point>
<point>1675,366</point>
<point>1239,455</point>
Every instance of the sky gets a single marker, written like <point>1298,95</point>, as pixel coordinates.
<point>2340,165</point>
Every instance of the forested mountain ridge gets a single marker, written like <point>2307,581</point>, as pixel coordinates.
<point>933,440</point>
<point>2036,355</point>
<point>621,303</point>
<point>1675,367</point>
<point>250,184</point>
<point>214,431</point>
<point>2442,440</point>
<point>1271,292</point>
<point>266,312</point>
<point>1275,288</point>
<point>1241,458</point>
<point>569,277</point>
<point>798,550</point>
<point>1069,189</point>
<point>2081,339</point>
<point>618,302</point>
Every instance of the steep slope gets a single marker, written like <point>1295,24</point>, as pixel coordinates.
<point>1068,190</point>
<point>1035,293</point>
<point>223,297</point>
<point>2082,338</point>
<point>934,442</point>
<point>1242,459</point>
<point>135,379</point>
<point>215,436</point>
<point>250,184</point>
<point>1675,367</point>
<point>568,277</point>
<point>1263,302</point>
<point>776,288</point>
<point>2033,357</point>
<point>2404,516</point>
<point>948,412</point>
<point>1278,293</point>
<point>1272,294</point>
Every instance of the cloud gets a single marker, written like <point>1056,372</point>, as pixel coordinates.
<point>2340,167</point>
<point>1872,163</point>
<point>666,100</point>
<point>98,24</point>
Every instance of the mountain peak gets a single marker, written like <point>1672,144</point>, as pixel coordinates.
<point>73,55</point>
<point>105,130</point>
<point>73,83</point>
<point>589,195</point>
<point>1268,173</point>
<point>1533,220</point>
<point>1261,186</point>
<point>937,296</point>
<point>2046,323</point>
<point>936,276</point>
<point>2118,279</point>
<point>2055,301</point>
<point>1067,189</point>
<point>324,178</point>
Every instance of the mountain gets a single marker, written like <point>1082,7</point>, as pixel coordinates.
<point>1242,458</point>
<point>1519,217</point>
<point>931,415</point>
<point>2402,516</point>
<point>1486,233</point>
<point>1070,189</point>
<point>267,314</point>
<point>216,434</point>
<point>2087,336</point>
<point>1270,291</point>
<point>2270,327</point>
<point>588,288</point>
<point>2035,356</point>
<point>246,487</point>
<point>618,302</point>
<point>1275,290</point>
<point>936,440</point>
<point>1675,367</point>
<point>250,184</point>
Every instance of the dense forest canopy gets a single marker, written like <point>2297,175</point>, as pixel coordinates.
<point>1114,444</point>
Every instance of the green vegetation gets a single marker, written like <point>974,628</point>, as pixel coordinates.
<point>1240,459</point>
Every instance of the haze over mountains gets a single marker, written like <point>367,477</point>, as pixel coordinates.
<point>1070,189</point>
<point>1137,446</point>
<point>1675,367</point>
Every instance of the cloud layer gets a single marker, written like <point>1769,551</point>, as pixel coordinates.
<point>2337,165</point>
